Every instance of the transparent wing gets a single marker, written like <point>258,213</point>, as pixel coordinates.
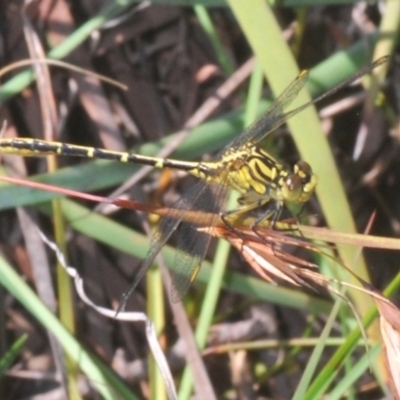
<point>274,116</point>
<point>157,242</point>
<point>192,244</point>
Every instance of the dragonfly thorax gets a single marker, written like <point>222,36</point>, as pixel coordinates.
<point>255,174</point>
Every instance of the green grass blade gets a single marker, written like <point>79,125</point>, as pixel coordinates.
<point>96,372</point>
<point>11,355</point>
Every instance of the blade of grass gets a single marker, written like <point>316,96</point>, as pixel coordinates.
<point>332,367</point>
<point>64,288</point>
<point>341,388</point>
<point>208,26</point>
<point>316,354</point>
<point>389,30</point>
<point>156,313</point>
<point>12,354</point>
<point>100,376</point>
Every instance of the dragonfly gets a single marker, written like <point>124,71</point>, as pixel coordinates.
<point>264,183</point>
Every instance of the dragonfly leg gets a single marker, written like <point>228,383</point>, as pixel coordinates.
<point>275,210</point>
<point>242,210</point>
<point>224,216</point>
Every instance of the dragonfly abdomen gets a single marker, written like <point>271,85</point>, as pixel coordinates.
<point>27,147</point>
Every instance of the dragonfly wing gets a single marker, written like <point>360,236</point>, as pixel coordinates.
<point>274,116</point>
<point>159,237</point>
<point>192,247</point>
<point>192,244</point>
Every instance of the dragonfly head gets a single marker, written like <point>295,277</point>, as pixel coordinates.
<point>299,185</point>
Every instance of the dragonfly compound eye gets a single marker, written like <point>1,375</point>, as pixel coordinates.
<point>292,187</point>
<point>304,172</point>
<point>299,185</point>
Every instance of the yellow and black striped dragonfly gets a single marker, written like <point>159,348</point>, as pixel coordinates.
<point>263,182</point>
